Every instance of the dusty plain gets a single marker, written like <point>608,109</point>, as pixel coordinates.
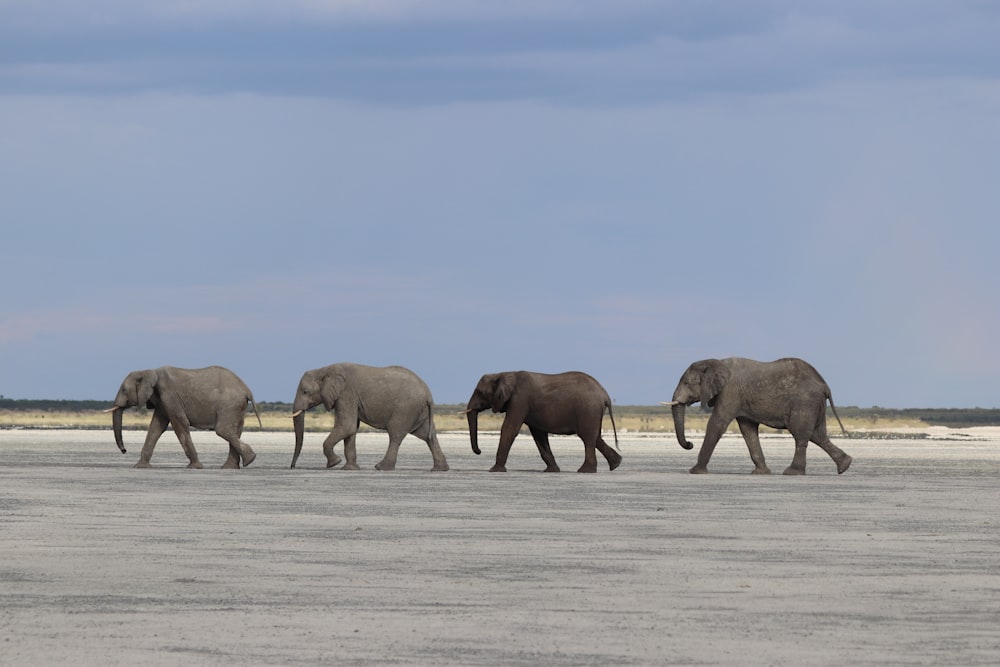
<point>896,562</point>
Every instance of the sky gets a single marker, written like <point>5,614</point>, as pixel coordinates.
<point>620,187</point>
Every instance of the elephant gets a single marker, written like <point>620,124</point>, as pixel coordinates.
<point>787,393</point>
<point>212,398</point>
<point>392,398</point>
<point>564,404</point>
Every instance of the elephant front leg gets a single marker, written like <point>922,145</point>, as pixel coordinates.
<point>508,432</point>
<point>157,425</point>
<point>544,450</point>
<point>751,435</point>
<point>351,452</point>
<point>184,436</point>
<point>713,432</point>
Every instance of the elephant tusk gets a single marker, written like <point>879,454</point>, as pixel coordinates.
<point>297,413</point>
<point>111,409</point>
<point>670,403</point>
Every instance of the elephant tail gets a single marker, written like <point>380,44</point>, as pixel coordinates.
<point>614,429</point>
<point>259,423</point>
<point>834,408</point>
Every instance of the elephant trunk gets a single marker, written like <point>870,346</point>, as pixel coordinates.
<point>677,410</point>
<point>116,424</point>
<point>473,416</point>
<point>299,422</point>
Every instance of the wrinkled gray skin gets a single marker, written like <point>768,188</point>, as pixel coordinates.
<point>787,394</point>
<point>392,398</point>
<point>564,404</point>
<point>212,398</point>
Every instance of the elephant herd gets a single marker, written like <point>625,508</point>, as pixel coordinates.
<point>786,394</point>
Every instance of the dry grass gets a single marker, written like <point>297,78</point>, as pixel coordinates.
<point>320,420</point>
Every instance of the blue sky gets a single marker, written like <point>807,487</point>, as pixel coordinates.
<point>619,187</point>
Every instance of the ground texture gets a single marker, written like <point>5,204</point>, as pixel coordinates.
<point>895,562</point>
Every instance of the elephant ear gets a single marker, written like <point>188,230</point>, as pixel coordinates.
<point>330,389</point>
<point>712,381</point>
<point>145,383</point>
<point>504,390</point>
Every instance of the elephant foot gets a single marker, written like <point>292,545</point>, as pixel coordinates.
<point>498,468</point>
<point>586,467</point>
<point>247,460</point>
<point>440,467</point>
<point>792,470</point>
<point>382,465</point>
<point>231,464</point>
<point>142,464</point>
<point>195,465</point>
<point>614,460</point>
<point>763,470</point>
<point>351,466</point>
<point>333,461</point>
<point>843,464</point>
<point>698,470</point>
<point>552,468</point>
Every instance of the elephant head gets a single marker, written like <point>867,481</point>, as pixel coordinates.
<point>702,382</point>
<point>314,388</point>
<point>493,391</point>
<point>137,389</point>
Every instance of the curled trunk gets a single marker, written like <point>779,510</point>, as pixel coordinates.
<point>299,421</point>
<point>116,424</point>
<point>677,411</point>
<point>474,430</point>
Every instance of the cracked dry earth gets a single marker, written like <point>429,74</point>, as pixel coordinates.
<point>895,562</point>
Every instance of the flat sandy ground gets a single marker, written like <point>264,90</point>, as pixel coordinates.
<point>895,562</point>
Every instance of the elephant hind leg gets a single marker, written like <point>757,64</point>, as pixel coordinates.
<point>440,462</point>
<point>613,457</point>
<point>841,458</point>
<point>589,456</point>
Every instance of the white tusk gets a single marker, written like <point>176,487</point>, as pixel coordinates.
<point>297,413</point>
<point>670,403</point>
<point>111,409</point>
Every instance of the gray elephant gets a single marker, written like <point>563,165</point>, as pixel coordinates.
<point>787,393</point>
<point>564,404</point>
<point>391,398</point>
<point>212,398</point>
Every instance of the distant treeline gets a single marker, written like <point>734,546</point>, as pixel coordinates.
<point>954,417</point>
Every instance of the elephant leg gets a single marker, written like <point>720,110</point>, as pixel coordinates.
<point>508,432</point>
<point>544,450</point>
<point>589,456</point>
<point>237,448</point>
<point>388,461</point>
<point>351,452</point>
<point>798,465</point>
<point>713,433</point>
<point>157,425</point>
<point>613,457</point>
<point>184,436</point>
<point>839,456</point>
<point>440,462</point>
<point>336,435</point>
<point>750,430</point>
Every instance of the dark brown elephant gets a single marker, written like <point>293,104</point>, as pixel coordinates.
<point>787,393</point>
<point>564,404</point>
<point>212,398</point>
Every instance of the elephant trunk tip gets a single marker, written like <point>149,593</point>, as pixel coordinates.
<point>687,444</point>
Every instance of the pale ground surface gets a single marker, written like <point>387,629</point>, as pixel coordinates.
<point>895,562</point>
